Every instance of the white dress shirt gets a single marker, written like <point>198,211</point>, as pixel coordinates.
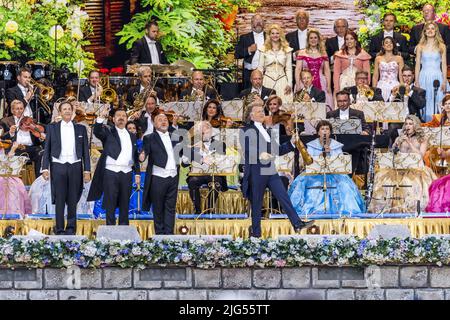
<point>150,125</point>
<point>259,41</point>
<point>153,51</point>
<point>170,170</point>
<point>258,91</point>
<point>68,151</point>
<point>344,115</point>
<point>263,131</point>
<point>388,33</point>
<point>23,137</point>
<point>125,160</point>
<point>341,42</point>
<point>28,112</point>
<point>302,38</point>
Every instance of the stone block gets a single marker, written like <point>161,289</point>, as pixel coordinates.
<point>253,294</point>
<point>389,231</point>
<point>28,279</point>
<point>13,295</point>
<point>183,283</point>
<point>382,277</point>
<point>369,294</point>
<point>43,295</point>
<point>117,278</point>
<point>237,278</point>
<point>192,295</point>
<point>296,277</point>
<point>141,280</point>
<point>353,278</point>
<point>326,277</point>
<point>440,277</point>
<point>102,294</point>
<point>295,294</point>
<point>132,295</point>
<point>209,278</point>
<point>414,277</point>
<point>399,294</point>
<point>6,278</point>
<point>267,278</point>
<point>55,278</point>
<point>73,295</point>
<point>340,294</point>
<point>162,294</point>
<point>430,294</point>
<point>91,278</point>
<point>121,233</point>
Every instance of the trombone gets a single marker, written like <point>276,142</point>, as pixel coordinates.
<point>45,94</point>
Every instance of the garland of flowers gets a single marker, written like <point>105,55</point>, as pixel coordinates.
<point>199,31</point>
<point>238,253</point>
<point>28,29</point>
<point>408,13</point>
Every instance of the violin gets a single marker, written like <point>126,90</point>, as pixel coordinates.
<point>169,114</point>
<point>281,117</point>
<point>80,116</point>
<point>30,125</point>
<point>5,144</point>
<point>222,122</point>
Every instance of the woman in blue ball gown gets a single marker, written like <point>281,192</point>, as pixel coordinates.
<point>306,191</point>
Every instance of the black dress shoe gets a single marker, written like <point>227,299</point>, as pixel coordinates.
<point>304,225</point>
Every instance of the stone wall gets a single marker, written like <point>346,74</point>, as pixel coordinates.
<point>323,283</point>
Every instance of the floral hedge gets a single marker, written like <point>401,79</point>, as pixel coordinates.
<point>238,253</point>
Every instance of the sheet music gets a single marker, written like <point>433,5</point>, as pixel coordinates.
<point>340,164</point>
<point>307,110</point>
<point>350,126</point>
<point>434,135</point>
<point>383,111</point>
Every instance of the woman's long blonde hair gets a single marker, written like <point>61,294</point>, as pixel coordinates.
<point>418,130</point>
<point>320,45</point>
<point>284,45</point>
<point>437,39</point>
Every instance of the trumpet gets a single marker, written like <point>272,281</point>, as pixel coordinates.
<point>366,91</point>
<point>109,95</point>
<point>299,96</point>
<point>396,90</point>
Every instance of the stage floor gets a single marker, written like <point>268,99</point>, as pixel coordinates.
<point>271,228</point>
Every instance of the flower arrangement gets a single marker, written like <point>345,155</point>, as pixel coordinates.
<point>408,13</point>
<point>199,31</point>
<point>28,29</point>
<point>237,253</point>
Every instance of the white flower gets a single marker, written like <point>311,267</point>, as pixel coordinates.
<point>136,251</point>
<point>77,34</point>
<point>59,32</point>
<point>79,66</point>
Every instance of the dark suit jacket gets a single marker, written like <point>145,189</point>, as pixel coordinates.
<point>14,93</point>
<point>157,155</point>
<point>141,53</point>
<point>251,161</point>
<point>400,41</point>
<point>111,147</point>
<point>332,45</point>
<point>416,102</point>
<point>136,89</point>
<point>241,49</point>
<point>416,33</point>
<point>265,93</point>
<point>210,93</point>
<point>317,94</point>
<point>353,114</point>
<point>292,38</point>
<point>7,123</point>
<point>53,149</point>
<point>377,94</point>
<point>85,93</point>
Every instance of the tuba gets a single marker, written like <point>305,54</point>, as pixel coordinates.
<point>109,95</point>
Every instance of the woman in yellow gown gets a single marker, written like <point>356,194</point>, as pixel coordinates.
<point>404,190</point>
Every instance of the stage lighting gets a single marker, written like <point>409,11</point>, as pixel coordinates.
<point>9,232</point>
<point>314,229</point>
<point>183,229</point>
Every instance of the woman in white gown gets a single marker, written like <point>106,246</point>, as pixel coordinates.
<point>275,62</point>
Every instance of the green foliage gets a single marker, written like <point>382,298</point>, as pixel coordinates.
<point>408,12</point>
<point>190,29</point>
<point>32,39</point>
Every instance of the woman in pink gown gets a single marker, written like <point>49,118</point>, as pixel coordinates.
<point>314,58</point>
<point>439,190</point>
<point>13,195</point>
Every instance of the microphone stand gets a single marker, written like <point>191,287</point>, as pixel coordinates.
<point>436,88</point>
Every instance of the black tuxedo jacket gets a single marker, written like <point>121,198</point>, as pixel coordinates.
<point>53,149</point>
<point>265,93</point>
<point>14,93</point>
<point>111,147</point>
<point>210,93</point>
<point>416,33</point>
<point>317,94</point>
<point>241,49</point>
<point>416,102</point>
<point>377,93</point>
<point>332,45</point>
<point>353,114</point>
<point>292,38</point>
<point>251,157</point>
<point>141,53</point>
<point>400,41</point>
<point>153,147</point>
<point>7,123</point>
<point>133,91</point>
<point>85,93</point>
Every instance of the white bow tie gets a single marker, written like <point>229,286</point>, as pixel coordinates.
<point>151,41</point>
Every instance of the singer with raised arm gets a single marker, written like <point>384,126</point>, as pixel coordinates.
<point>113,174</point>
<point>307,191</point>
<point>67,163</point>
<point>259,169</point>
<point>148,49</point>
<point>404,190</point>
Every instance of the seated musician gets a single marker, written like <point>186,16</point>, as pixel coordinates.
<point>93,90</point>
<point>148,49</point>
<point>145,78</point>
<point>213,113</point>
<point>362,92</point>
<point>404,198</point>
<point>344,112</point>
<point>309,93</point>
<point>29,144</point>
<point>28,94</point>
<point>204,146</point>
<point>145,118</point>
<point>307,191</point>
<point>416,96</point>
<point>439,190</point>
<point>256,79</point>
<point>198,89</point>
<point>14,197</point>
